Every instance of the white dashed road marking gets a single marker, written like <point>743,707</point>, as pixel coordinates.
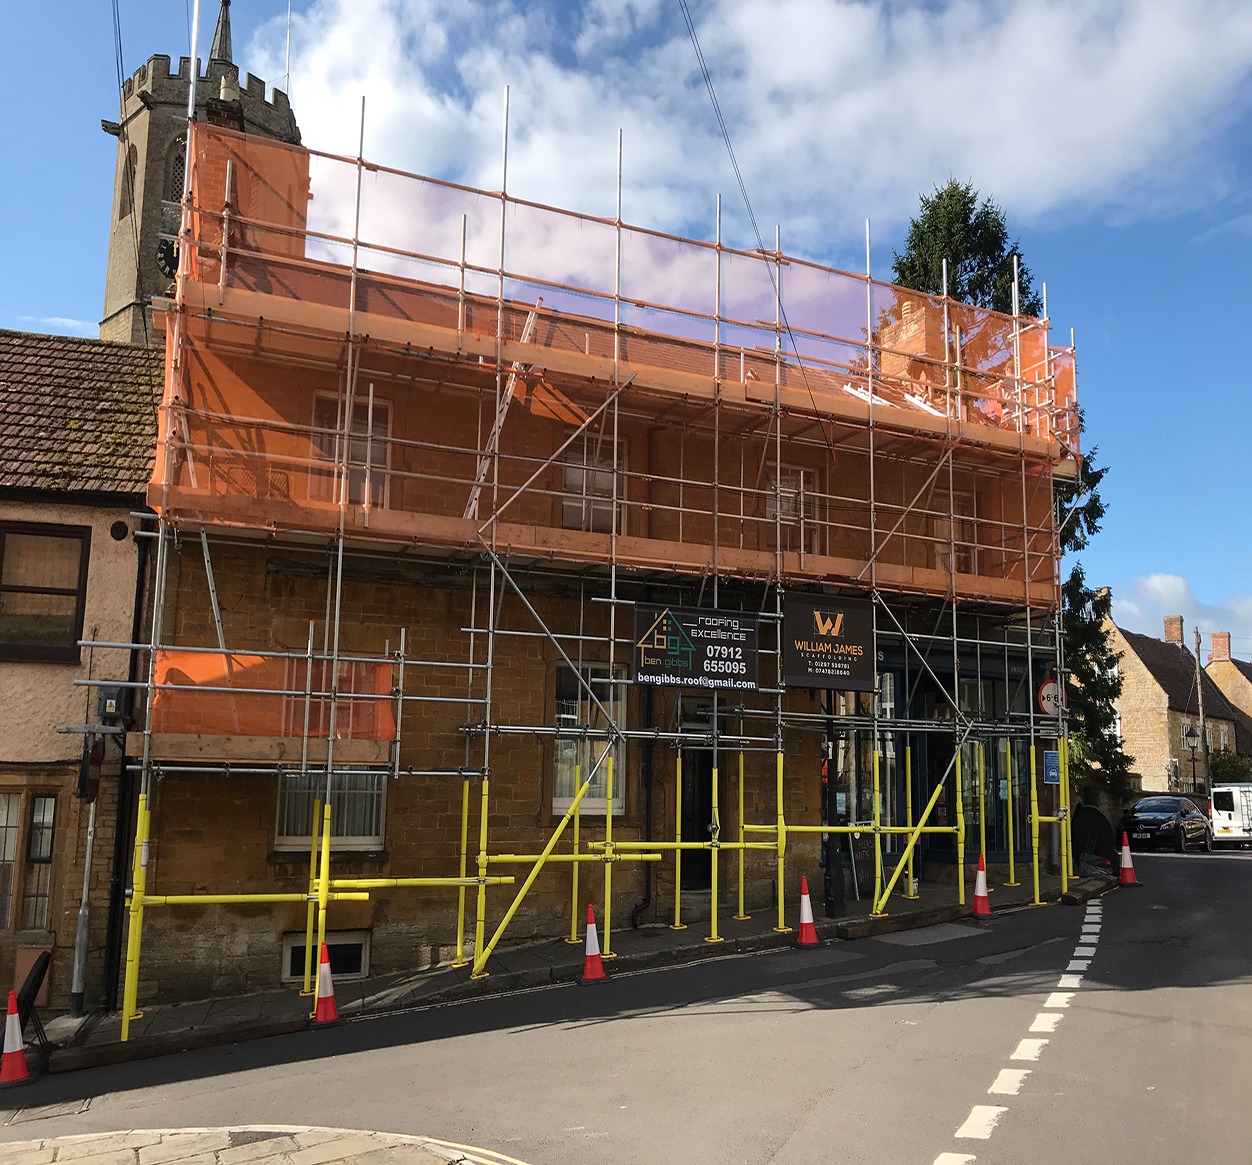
<point>1028,1050</point>
<point>1046,1021</point>
<point>1009,1082</point>
<point>981,1122</point>
<point>1058,999</point>
<point>1073,982</point>
<point>955,1159</point>
<point>1078,964</point>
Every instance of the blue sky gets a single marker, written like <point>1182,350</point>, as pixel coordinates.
<point>1114,133</point>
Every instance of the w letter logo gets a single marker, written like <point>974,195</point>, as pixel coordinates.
<point>828,624</point>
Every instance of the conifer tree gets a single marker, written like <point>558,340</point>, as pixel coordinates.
<point>973,237</point>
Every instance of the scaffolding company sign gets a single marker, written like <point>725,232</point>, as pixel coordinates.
<point>685,647</point>
<point>828,643</point>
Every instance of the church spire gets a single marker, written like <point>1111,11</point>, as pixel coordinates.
<point>220,49</point>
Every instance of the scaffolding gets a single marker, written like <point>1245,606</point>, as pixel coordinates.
<point>569,419</point>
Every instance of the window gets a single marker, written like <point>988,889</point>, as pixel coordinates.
<point>126,201</point>
<point>1224,801</point>
<point>587,476</point>
<point>576,709</point>
<point>357,803</point>
<point>43,591</point>
<point>37,892</point>
<point>953,531</point>
<point>26,885</point>
<point>349,952</point>
<point>368,452</point>
<point>791,512</point>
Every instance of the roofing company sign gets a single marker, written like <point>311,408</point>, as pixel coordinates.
<point>686,647</point>
<point>828,643</point>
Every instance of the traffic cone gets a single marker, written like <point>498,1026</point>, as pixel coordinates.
<point>982,904</point>
<point>808,932</point>
<point>325,1011</point>
<point>593,966</point>
<point>1126,875</point>
<point>13,1068</point>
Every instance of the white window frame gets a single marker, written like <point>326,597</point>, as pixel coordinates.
<point>326,444</point>
<point>567,751</point>
<point>588,494</point>
<point>295,940</point>
<point>959,506</point>
<point>338,841</point>
<point>791,508</point>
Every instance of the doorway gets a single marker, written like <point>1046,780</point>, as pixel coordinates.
<point>697,816</point>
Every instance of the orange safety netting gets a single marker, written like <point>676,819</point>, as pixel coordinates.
<point>236,694</point>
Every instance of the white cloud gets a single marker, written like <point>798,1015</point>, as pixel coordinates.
<point>837,111</point>
<point>64,324</point>
<point>1151,597</point>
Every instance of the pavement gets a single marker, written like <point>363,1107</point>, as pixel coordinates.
<point>166,1028</point>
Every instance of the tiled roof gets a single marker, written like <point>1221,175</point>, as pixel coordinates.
<point>1173,668</point>
<point>77,415</point>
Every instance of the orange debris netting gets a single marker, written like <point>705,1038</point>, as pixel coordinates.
<point>218,693</point>
<point>276,220</point>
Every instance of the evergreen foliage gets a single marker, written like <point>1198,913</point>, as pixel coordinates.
<point>1226,768</point>
<point>973,237</point>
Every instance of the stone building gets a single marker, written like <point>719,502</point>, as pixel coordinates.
<point>77,424</point>
<point>1159,703</point>
<point>1234,678</point>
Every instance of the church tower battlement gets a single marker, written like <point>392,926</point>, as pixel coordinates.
<point>148,180</point>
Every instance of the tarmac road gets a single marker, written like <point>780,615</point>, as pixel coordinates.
<point>874,1051</point>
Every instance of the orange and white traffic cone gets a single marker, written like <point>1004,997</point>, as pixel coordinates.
<point>982,904</point>
<point>13,1068</point>
<point>325,1011</point>
<point>593,965</point>
<point>808,932</point>
<point>1126,875</point>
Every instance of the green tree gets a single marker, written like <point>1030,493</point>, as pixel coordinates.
<point>1228,769</point>
<point>973,237</point>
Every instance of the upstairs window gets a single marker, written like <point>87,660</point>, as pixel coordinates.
<point>43,591</point>
<point>587,493</point>
<point>791,509</point>
<point>368,450</point>
<point>357,804</point>
<point>575,709</point>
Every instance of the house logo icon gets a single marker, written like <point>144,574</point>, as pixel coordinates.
<point>665,646</point>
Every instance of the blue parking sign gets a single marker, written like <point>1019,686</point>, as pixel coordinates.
<point>1051,767</point>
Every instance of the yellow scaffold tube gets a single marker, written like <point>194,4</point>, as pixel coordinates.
<point>909,892</point>
<point>323,884</point>
<point>1067,828</point>
<point>678,923</point>
<point>877,819</point>
<point>480,911</point>
<point>573,939</point>
<point>241,899</point>
<point>1009,806</point>
<point>482,954</point>
<point>782,927</point>
<point>714,855</point>
<point>609,858</point>
<point>310,912</point>
<point>982,807</point>
<point>139,878</point>
<point>741,914</point>
<point>918,830</point>
<point>1034,821</point>
<point>960,831</point>
<point>409,883</point>
<point>461,960</point>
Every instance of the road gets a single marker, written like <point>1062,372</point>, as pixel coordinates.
<point>881,1050</point>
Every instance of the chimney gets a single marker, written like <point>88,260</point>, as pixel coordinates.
<point>1221,647</point>
<point>1173,629</point>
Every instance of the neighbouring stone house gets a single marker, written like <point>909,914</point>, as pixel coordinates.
<point>1234,677</point>
<point>77,423</point>
<point>1159,703</point>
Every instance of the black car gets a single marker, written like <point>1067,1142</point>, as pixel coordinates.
<point>1165,821</point>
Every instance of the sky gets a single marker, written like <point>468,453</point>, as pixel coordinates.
<point>1115,135</point>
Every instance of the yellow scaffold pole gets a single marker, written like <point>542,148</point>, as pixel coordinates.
<point>606,952</point>
<point>678,923</point>
<point>311,910</point>
<point>982,808</point>
<point>461,960</point>
<point>1067,827</point>
<point>323,883</point>
<point>915,833</point>
<point>573,939</point>
<point>877,819</point>
<point>909,893</point>
<point>714,854</point>
<point>481,953</point>
<point>139,878</point>
<point>1034,820</point>
<point>782,927</point>
<point>1009,806</point>
<point>741,914</point>
<point>960,830</point>
<point>480,912</point>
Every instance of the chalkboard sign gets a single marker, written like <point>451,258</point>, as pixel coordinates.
<point>861,846</point>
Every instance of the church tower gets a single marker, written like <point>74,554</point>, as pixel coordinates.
<point>148,181</point>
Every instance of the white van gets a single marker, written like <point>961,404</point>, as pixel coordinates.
<point>1231,814</point>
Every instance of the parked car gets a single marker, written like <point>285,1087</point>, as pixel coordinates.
<point>1231,814</point>
<point>1168,821</point>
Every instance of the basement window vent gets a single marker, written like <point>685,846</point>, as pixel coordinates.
<point>349,952</point>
